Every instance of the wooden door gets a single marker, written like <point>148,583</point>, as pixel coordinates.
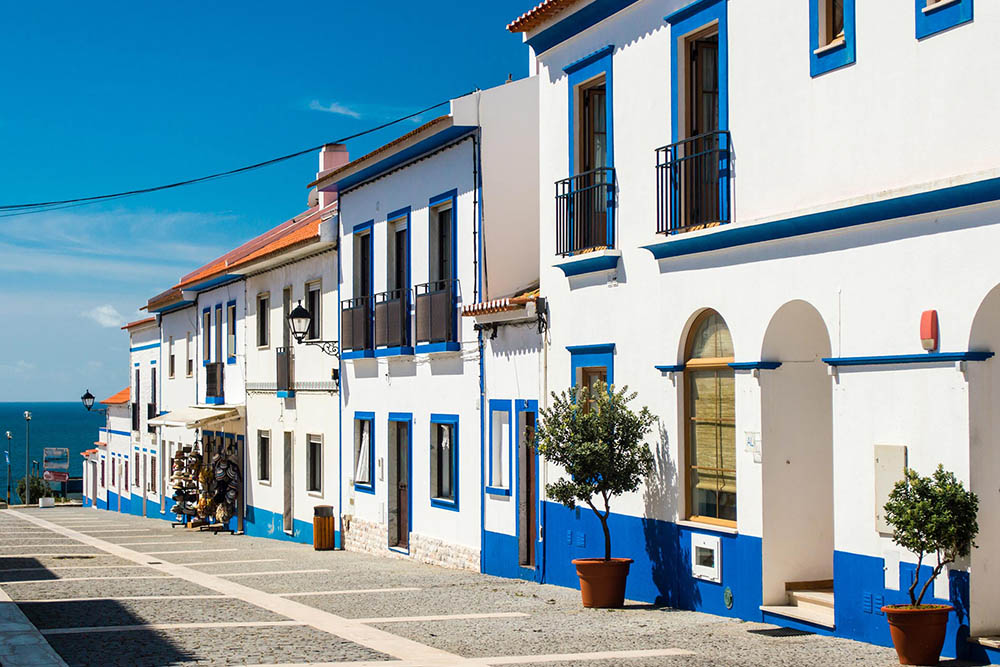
<point>286,514</point>
<point>527,490</point>
<point>403,484</point>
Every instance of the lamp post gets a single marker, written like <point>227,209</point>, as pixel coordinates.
<point>298,323</point>
<point>27,457</point>
<point>7,456</point>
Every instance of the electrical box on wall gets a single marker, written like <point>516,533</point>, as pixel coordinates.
<point>890,467</point>
<point>706,557</point>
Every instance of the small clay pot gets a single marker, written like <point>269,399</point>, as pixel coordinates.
<point>602,582</point>
<point>918,632</point>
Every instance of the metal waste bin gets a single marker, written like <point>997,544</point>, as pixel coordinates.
<point>324,524</point>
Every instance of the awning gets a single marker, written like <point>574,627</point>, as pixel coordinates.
<point>198,416</point>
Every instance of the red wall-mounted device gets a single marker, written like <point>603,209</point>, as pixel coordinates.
<point>929,330</point>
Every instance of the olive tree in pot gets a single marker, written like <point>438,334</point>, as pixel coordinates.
<point>929,516</point>
<point>599,441</point>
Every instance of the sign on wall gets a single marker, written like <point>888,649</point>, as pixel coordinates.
<point>55,458</point>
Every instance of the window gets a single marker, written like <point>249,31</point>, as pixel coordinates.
<point>441,250</point>
<point>171,361</point>
<point>188,359</point>
<point>264,456</point>
<point>313,292</point>
<point>831,40</point>
<point>500,444</point>
<point>398,247</point>
<point>102,473</point>
<point>206,341</point>
<point>231,332</point>
<point>934,16</point>
<point>135,467</point>
<point>590,365</point>
<point>314,463</point>
<point>591,379</point>
<point>593,140</point>
<point>363,264</point>
<point>152,473</point>
<point>444,461</point>
<point>710,413</point>
<point>125,476</point>
<point>364,451</point>
<point>218,333</point>
<point>263,320</point>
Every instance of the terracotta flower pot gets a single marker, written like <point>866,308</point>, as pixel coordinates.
<point>602,582</point>
<point>918,632</point>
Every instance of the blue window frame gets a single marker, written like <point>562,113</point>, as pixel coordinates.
<point>827,52</point>
<point>499,446</point>
<point>364,452</point>
<point>934,17</point>
<point>444,461</point>
<point>583,71</point>
<point>591,356</point>
<point>683,24</point>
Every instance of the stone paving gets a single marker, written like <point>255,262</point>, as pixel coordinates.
<point>519,620</point>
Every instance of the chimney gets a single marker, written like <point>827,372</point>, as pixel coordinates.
<point>331,156</point>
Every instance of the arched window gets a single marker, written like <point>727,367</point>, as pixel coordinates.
<point>710,413</point>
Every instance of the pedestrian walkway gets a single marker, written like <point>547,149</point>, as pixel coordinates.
<point>221,599</point>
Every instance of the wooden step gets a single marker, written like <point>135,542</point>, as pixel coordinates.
<point>815,598</point>
<point>813,614</point>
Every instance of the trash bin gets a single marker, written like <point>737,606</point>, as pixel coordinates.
<point>323,527</point>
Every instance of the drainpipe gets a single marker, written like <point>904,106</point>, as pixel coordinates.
<point>340,402</point>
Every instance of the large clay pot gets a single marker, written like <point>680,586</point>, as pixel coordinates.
<point>918,632</point>
<point>602,582</point>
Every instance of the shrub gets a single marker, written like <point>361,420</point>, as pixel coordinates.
<point>39,488</point>
<point>932,515</point>
<point>592,433</point>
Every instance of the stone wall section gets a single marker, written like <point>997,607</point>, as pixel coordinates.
<point>372,538</point>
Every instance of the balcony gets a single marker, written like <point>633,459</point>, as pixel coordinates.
<point>214,383</point>
<point>356,327</point>
<point>151,413</point>
<point>436,311</point>
<point>284,372</point>
<point>692,183</point>
<point>135,417</point>
<point>392,323</point>
<point>585,212</point>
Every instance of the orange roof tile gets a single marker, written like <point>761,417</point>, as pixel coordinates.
<point>120,398</point>
<point>538,15</point>
<point>138,323</point>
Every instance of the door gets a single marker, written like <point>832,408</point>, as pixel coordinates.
<point>286,308</point>
<point>93,483</point>
<point>527,488</point>
<point>288,488</point>
<point>403,484</point>
<point>701,164</point>
<point>145,483</point>
<point>591,197</point>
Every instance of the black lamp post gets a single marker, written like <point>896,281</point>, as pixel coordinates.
<point>27,457</point>
<point>298,323</point>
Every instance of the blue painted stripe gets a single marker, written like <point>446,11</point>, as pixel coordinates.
<point>588,59</point>
<point>140,348</point>
<point>429,348</point>
<point>126,433</point>
<point>394,351</point>
<point>929,358</point>
<point>897,207</point>
<point>580,264</point>
<point>576,23</point>
<point>358,354</point>
<point>285,394</point>
<point>677,368</point>
<point>603,348</point>
<point>754,365</point>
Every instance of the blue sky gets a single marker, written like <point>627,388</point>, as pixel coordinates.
<point>103,97</point>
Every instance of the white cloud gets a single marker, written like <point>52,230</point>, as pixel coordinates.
<point>107,316</point>
<point>335,108</point>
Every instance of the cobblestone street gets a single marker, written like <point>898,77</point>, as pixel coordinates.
<point>109,589</point>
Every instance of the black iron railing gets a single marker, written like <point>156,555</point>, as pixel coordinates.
<point>356,323</point>
<point>392,318</point>
<point>692,183</point>
<point>585,211</point>
<point>283,357</point>
<point>436,311</point>
<point>214,380</point>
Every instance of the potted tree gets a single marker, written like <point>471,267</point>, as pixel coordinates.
<point>928,515</point>
<point>598,440</point>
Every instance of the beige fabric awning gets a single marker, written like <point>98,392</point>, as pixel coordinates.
<point>198,416</point>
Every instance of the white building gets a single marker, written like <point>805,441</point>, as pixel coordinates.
<point>135,479</point>
<point>99,490</point>
<point>756,204</point>
<point>413,253</point>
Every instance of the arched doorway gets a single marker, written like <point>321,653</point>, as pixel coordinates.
<point>984,468</point>
<point>710,418</point>
<point>797,465</point>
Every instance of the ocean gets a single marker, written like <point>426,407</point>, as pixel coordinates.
<point>52,425</point>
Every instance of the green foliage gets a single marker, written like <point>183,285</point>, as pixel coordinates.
<point>39,488</point>
<point>932,515</point>
<point>601,447</point>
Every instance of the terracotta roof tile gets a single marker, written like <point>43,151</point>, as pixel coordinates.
<point>120,398</point>
<point>138,323</point>
<point>541,13</point>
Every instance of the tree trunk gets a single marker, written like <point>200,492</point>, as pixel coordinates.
<point>607,536</point>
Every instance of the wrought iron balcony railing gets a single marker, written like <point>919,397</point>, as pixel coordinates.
<point>692,183</point>
<point>214,380</point>
<point>436,311</point>
<point>392,318</point>
<point>284,361</point>
<point>585,212</point>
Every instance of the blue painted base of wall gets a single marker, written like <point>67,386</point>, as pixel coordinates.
<point>102,504</point>
<point>500,558</point>
<point>260,522</point>
<point>86,502</point>
<point>661,575</point>
<point>794,624</point>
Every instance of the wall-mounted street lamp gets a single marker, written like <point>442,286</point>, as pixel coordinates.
<point>88,402</point>
<point>299,321</point>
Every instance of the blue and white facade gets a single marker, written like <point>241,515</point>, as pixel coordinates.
<point>792,195</point>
